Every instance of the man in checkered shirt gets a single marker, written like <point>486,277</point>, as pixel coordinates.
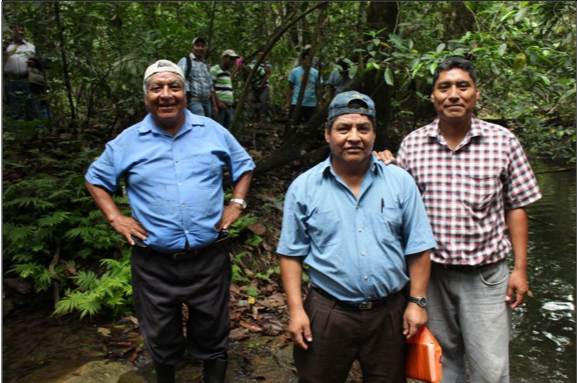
<point>475,182</point>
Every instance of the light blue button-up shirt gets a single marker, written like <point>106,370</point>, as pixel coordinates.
<point>174,183</point>
<point>355,248</point>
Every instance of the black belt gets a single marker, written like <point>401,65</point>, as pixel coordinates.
<point>185,255</point>
<point>16,76</point>
<point>355,306</point>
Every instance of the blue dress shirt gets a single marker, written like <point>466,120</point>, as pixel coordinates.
<point>355,248</point>
<point>174,183</point>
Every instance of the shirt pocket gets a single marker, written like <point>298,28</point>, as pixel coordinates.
<point>480,190</point>
<point>207,172</point>
<point>322,227</point>
<point>387,225</point>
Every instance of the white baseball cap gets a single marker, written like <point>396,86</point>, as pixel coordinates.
<point>163,66</point>
<point>229,52</point>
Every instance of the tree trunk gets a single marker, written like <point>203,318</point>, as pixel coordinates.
<point>210,29</point>
<point>460,21</point>
<point>65,65</point>
<point>380,14</point>
<point>307,68</point>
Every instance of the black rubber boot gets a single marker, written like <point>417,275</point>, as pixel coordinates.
<point>164,373</point>
<point>215,370</point>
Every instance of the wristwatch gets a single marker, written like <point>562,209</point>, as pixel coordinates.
<point>421,301</point>
<point>241,202</point>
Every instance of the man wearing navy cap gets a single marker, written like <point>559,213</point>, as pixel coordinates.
<point>172,164</point>
<point>361,228</point>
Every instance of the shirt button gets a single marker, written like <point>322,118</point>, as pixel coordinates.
<point>177,161</point>
<point>360,230</point>
<point>363,253</point>
<point>180,184</point>
<point>358,206</point>
<point>186,231</point>
<point>366,277</point>
<point>182,205</point>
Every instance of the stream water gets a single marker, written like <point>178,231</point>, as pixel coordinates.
<point>37,348</point>
<point>543,344</point>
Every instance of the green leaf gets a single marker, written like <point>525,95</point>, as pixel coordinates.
<point>502,49</point>
<point>519,63</point>
<point>440,47</point>
<point>545,80</point>
<point>433,67</point>
<point>397,41</point>
<point>495,68</point>
<point>519,16</point>
<point>389,77</point>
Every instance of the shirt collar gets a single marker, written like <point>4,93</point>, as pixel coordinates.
<point>326,165</point>
<point>190,120</point>
<point>194,57</point>
<point>433,130</point>
<point>24,42</point>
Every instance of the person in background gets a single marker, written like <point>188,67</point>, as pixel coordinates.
<point>22,103</point>
<point>259,93</point>
<point>339,79</point>
<point>222,78</point>
<point>199,85</point>
<point>311,96</point>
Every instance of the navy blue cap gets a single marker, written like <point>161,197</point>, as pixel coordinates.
<point>340,105</point>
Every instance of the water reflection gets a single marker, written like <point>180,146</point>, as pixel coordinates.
<point>543,343</point>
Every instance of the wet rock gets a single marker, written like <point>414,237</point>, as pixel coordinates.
<point>19,285</point>
<point>97,372</point>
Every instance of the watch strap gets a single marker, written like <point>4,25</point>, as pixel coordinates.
<point>239,201</point>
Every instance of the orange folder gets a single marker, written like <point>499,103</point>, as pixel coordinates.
<point>424,357</point>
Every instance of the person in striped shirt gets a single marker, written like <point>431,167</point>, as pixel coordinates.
<point>222,78</point>
<point>475,181</point>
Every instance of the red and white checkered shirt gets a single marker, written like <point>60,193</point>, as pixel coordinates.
<point>467,190</point>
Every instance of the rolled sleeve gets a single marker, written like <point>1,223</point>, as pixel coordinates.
<point>239,161</point>
<point>103,171</point>
<point>417,233</point>
<point>521,187</point>
<point>294,240</point>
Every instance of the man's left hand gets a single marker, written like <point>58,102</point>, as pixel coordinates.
<point>214,110</point>
<point>415,317</point>
<point>518,288</point>
<point>229,216</point>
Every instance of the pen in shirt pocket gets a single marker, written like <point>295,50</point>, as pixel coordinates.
<point>382,204</point>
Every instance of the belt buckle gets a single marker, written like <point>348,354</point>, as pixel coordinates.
<point>176,256</point>
<point>366,306</point>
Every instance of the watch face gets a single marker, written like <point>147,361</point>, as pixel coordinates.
<point>421,301</point>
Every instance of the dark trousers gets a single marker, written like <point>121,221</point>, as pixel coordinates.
<point>160,287</point>
<point>306,113</point>
<point>342,335</point>
<point>257,102</point>
<point>22,103</point>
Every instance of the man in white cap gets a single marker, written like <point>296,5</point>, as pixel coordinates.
<point>222,78</point>
<point>199,85</point>
<point>171,163</point>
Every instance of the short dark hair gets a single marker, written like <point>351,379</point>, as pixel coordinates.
<point>343,64</point>
<point>304,54</point>
<point>455,63</point>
